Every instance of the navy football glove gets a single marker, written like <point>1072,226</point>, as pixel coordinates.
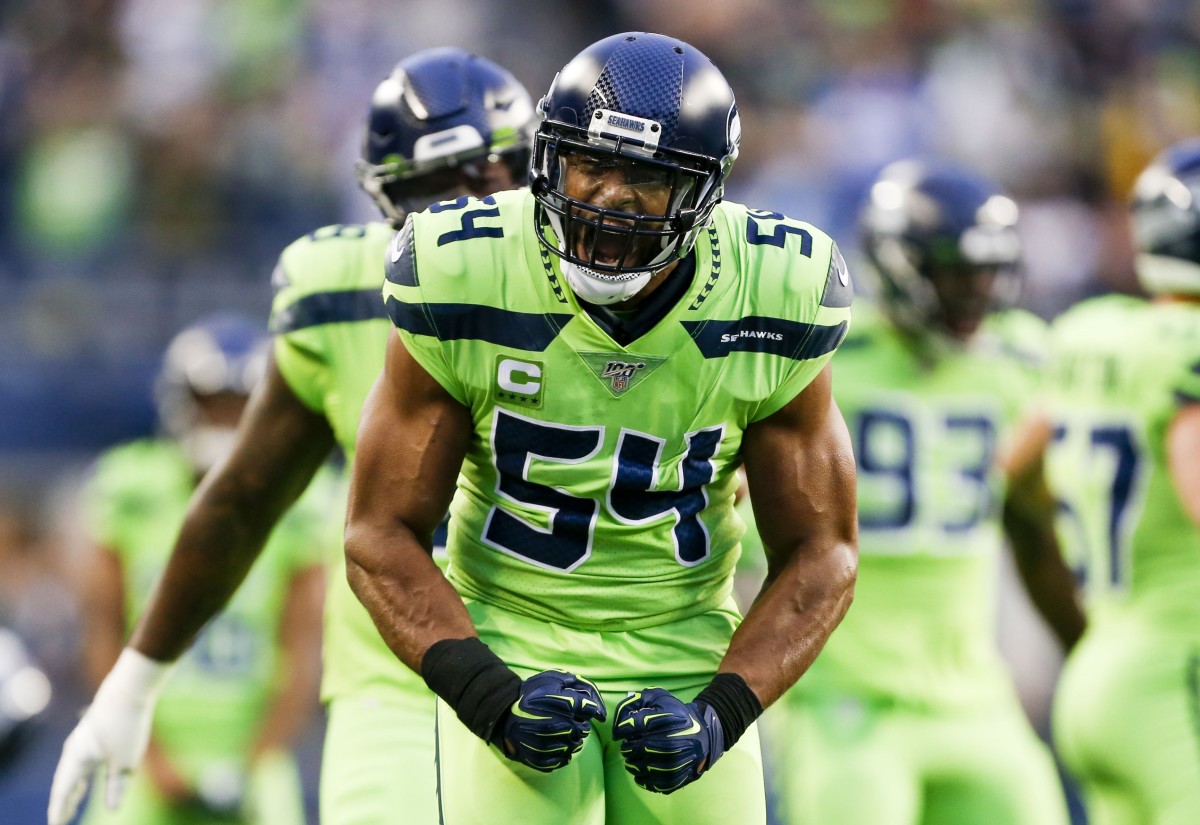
<point>666,743</point>
<point>552,716</point>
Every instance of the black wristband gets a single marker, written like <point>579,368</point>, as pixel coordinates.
<point>473,680</point>
<point>734,702</point>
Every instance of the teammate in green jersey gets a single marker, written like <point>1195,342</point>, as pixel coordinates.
<point>1124,437</point>
<point>445,123</point>
<point>219,743</point>
<point>583,367</point>
<point>909,717</point>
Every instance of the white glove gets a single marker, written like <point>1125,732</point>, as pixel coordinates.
<point>113,732</point>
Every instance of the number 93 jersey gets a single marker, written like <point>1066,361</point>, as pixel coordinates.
<point>1119,372</point>
<point>597,491</point>
<point>927,418</point>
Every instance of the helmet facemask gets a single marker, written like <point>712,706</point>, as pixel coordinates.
<point>399,187</point>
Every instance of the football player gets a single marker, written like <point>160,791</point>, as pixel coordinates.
<point>582,367</point>
<point>909,715</point>
<point>218,749</point>
<point>443,124</point>
<point>1123,440</point>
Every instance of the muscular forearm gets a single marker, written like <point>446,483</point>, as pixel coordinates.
<point>411,443</point>
<point>410,601</point>
<point>791,620</point>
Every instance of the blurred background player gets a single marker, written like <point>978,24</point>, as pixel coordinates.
<point>443,124</point>
<point>222,728</point>
<point>909,716</point>
<point>1123,460</point>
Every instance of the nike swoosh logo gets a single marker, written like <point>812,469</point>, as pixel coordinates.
<point>395,248</point>
<point>695,728</point>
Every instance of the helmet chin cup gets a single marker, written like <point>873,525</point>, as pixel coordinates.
<point>597,288</point>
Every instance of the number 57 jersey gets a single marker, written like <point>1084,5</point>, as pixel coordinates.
<point>597,491</point>
<point>1121,370</point>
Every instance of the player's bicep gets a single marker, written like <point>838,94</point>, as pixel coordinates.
<point>800,470</point>
<point>411,442</point>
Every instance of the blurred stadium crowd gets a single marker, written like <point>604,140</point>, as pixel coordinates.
<point>156,155</point>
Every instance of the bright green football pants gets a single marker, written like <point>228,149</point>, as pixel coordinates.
<point>378,763</point>
<point>478,785</point>
<point>840,762</point>
<point>1127,721</point>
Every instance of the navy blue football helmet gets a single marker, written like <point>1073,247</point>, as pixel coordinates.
<point>943,242</point>
<point>1166,221</point>
<point>659,106</point>
<point>435,123</point>
<point>222,355</point>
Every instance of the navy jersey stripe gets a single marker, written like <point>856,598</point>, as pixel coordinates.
<point>529,331</point>
<point>339,307</point>
<point>411,318</point>
<point>774,336</point>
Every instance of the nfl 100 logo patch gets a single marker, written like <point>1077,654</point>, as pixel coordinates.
<point>620,372</point>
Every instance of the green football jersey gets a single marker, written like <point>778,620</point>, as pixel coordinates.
<point>331,334</point>
<point>215,701</point>
<point>926,417</point>
<point>597,491</point>
<point>1120,369</point>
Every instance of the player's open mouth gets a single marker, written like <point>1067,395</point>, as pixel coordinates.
<point>608,248</point>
